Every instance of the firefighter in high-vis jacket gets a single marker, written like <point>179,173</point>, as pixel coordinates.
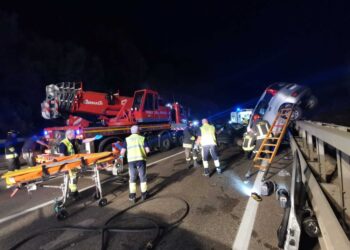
<point>249,141</point>
<point>261,129</point>
<point>137,149</point>
<point>189,137</point>
<point>207,139</point>
<point>12,151</point>
<point>253,139</point>
<point>70,146</point>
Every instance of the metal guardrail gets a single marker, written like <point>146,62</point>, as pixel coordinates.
<point>315,136</point>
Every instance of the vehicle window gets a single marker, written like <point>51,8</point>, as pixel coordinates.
<point>149,102</point>
<point>160,102</point>
<point>277,86</point>
<point>137,100</point>
<point>267,98</point>
<point>261,108</point>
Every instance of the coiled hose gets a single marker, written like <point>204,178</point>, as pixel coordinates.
<point>159,230</point>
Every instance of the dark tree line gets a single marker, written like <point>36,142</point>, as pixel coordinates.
<point>28,62</point>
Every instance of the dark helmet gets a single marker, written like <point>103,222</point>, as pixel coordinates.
<point>12,134</point>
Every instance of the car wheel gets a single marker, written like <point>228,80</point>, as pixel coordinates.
<point>297,113</point>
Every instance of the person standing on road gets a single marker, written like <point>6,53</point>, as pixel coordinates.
<point>29,147</point>
<point>12,151</point>
<point>188,144</point>
<point>207,139</point>
<point>70,146</point>
<point>261,129</point>
<point>137,149</point>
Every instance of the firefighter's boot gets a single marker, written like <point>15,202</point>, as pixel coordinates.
<point>206,172</point>
<point>195,164</point>
<point>144,196</point>
<point>132,197</point>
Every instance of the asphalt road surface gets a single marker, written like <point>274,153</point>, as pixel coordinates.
<point>213,209</point>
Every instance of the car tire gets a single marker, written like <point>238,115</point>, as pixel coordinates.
<point>297,113</point>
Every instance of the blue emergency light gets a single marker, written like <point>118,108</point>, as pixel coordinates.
<point>195,123</point>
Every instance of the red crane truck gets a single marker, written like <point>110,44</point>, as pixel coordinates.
<point>111,115</point>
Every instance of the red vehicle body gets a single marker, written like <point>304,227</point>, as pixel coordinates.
<point>111,115</point>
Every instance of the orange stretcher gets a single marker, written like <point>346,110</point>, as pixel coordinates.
<point>32,177</point>
<point>59,165</point>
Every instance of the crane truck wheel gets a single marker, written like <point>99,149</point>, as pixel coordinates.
<point>165,142</point>
<point>106,144</point>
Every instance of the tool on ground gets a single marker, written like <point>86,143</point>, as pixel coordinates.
<point>282,196</point>
<point>267,188</point>
<point>256,197</point>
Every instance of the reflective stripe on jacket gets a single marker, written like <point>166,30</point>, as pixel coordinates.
<point>262,129</point>
<point>11,156</point>
<point>69,146</point>
<point>187,145</point>
<point>11,149</point>
<point>135,148</point>
<point>208,135</point>
<point>248,143</point>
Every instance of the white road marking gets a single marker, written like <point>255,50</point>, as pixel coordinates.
<point>13,216</point>
<point>247,224</point>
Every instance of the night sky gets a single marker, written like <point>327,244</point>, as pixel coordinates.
<point>210,56</point>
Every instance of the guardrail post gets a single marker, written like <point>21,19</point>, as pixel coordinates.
<point>341,182</point>
<point>321,158</point>
<point>302,134</point>
<point>343,164</point>
<point>310,146</point>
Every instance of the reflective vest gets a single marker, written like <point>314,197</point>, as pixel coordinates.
<point>208,135</point>
<point>248,142</point>
<point>10,149</point>
<point>135,148</point>
<point>11,153</point>
<point>69,146</point>
<point>262,128</point>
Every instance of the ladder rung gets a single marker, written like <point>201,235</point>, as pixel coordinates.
<point>260,158</point>
<point>286,109</point>
<point>266,144</point>
<point>273,138</point>
<point>267,151</point>
<point>261,167</point>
